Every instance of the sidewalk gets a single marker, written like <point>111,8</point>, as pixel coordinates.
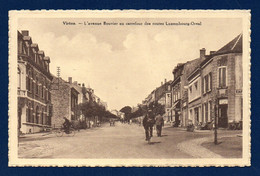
<point>205,148</point>
<point>228,146</point>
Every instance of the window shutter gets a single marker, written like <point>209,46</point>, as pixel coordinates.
<point>219,77</point>
<point>224,77</point>
<point>202,85</point>
<point>210,81</point>
<point>203,107</point>
<point>206,83</point>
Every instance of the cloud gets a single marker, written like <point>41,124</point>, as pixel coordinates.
<point>120,77</point>
<point>125,75</point>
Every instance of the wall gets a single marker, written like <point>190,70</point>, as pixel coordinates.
<point>61,102</point>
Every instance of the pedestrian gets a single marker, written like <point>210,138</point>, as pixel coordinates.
<point>148,123</point>
<point>159,122</point>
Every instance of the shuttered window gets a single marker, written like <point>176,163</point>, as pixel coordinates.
<point>222,77</point>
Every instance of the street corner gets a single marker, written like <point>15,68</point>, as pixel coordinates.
<point>227,147</point>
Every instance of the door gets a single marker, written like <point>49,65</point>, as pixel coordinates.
<point>222,116</point>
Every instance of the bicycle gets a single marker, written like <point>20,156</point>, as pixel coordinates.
<point>59,132</point>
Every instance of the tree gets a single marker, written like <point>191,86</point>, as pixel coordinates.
<point>127,110</point>
<point>156,108</point>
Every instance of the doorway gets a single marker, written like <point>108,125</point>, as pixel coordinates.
<point>223,117</point>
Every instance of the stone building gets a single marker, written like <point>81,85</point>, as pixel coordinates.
<point>222,75</point>
<point>64,100</point>
<point>215,87</point>
<point>34,81</point>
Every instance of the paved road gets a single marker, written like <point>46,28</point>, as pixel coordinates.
<point>120,141</point>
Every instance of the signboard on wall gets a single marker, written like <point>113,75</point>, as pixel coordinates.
<point>223,101</point>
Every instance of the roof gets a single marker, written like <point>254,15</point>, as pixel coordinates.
<point>233,46</point>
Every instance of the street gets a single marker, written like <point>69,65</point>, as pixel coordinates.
<point>119,141</point>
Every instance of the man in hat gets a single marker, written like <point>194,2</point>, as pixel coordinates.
<point>148,123</point>
<point>159,122</point>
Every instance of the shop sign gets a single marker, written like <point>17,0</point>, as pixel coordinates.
<point>238,91</point>
<point>223,101</point>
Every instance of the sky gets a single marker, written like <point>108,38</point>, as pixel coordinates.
<point>123,64</point>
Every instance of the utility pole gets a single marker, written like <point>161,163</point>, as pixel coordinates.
<point>215,124</point>
<point>58,75</point>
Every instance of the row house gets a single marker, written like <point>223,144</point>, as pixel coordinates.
<point>179,90</point>
<point>184,83</point>
<point>34,83</point>
<point>163,96</point>
<point>176,94</point>
<point>215,86</point>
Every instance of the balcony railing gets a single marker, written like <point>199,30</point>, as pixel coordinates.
<point>22,93</point>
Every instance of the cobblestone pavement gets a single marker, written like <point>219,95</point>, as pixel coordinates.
<point>121,141</point>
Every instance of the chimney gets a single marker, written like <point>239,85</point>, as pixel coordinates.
<point>70,80</point>
<point>25,33</point>
<point>202,53</point>
<point>165,80</point>
<point>75,82</point>
<point>212,52</point>
<point>161,83</point>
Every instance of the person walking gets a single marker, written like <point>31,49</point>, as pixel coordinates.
<point>148,123</point>
<point>159,122</point>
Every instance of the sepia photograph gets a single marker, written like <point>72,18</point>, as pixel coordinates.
<point>129,88</point>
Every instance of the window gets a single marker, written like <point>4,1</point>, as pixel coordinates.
<point>19,78</point>
<point>37,86</point>
<point>42,91</point>
<point>28,119</point>
<point>210,110</point>
<point>190,117</point>
<point>210,81</point>
<point>28,81</point>
<point>206,112</point>
<point>190,89</point>
<point>222,80</point>
<point>207,83</point>
<point>196,85</point>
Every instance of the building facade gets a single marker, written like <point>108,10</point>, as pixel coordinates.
<point>176,94</point>
<point>222,75</point>
<point>34,82</point>
<point>194,97</point>
<point>64,100</point>
<point>215,87</point>
<point>184,84</point>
